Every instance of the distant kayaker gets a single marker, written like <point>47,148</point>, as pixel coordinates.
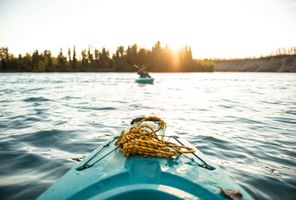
<point>143,72</point>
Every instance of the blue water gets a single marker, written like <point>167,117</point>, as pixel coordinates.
<point>245,122</point>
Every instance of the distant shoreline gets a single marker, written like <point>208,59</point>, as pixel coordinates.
<point>157,59</point>
<point>275,63</point>
<point>280,63</point>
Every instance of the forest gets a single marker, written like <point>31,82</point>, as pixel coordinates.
<point>157,59</point>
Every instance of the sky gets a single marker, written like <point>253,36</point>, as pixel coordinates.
<point>213,28</point>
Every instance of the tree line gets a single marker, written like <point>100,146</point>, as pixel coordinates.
<point>284,51</point>
<point>156,59</point>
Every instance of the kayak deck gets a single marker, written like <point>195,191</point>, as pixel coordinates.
<point>108,174</point>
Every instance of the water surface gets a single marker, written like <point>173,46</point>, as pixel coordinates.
<point>245,122</point>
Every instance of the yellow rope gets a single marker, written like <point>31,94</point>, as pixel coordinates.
<point>143,139</point>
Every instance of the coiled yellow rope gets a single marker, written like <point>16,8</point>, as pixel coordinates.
<point>143,139</point>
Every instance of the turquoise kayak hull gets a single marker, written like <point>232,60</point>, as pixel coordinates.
<point>145,80</point>
<point>108,174</point>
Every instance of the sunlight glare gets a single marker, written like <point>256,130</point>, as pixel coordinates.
<point>212,28</point>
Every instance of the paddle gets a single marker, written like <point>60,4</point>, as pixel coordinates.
<point>136,66</point>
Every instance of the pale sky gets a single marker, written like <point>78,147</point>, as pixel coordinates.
<point>213,28</point>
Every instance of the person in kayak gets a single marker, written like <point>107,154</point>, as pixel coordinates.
<point>143,72</point>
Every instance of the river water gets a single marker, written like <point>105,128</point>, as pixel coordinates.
<point>244,122</point>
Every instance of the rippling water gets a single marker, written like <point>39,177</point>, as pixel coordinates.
<point>245,122</point>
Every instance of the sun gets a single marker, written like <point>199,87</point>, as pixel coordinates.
<point>175,47</point>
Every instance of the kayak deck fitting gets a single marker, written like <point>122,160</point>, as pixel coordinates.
<point>107,174</point>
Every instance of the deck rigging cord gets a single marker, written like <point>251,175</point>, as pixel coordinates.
<point>145,140</point>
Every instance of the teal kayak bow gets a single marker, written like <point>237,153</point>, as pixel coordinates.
<point>107,174</point>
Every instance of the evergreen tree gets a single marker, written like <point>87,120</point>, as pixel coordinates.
<point>90,56</point>
<point>61,59</point>
<point>35,61</point>
<point>48,60</point>
<point>74,59</point>
<point>97,55</point>
<point>4,57</point>
<point>104,59</point>
<point>120,51</point>
<point>84,60</point>
<point>69,55</point>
